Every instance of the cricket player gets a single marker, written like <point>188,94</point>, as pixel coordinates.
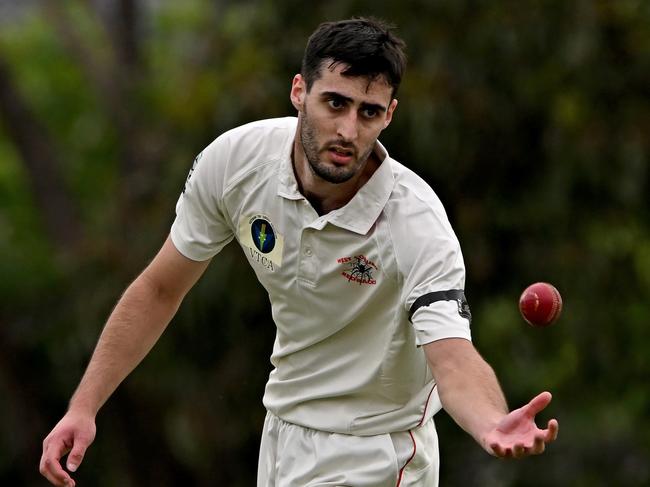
<point>366,282</point>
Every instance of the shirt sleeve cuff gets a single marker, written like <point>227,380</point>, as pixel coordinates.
<point>438,321</point>
<point>191,249</point>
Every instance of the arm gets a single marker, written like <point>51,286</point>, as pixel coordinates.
<point>470,393</point>
<point>134,326</point>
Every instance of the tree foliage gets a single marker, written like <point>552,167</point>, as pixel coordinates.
<point>530,119</point>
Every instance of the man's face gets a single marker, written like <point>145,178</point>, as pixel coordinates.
<point>340,120</point>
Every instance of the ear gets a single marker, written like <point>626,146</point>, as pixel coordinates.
<point>298,92</point>
<point>389,112</point>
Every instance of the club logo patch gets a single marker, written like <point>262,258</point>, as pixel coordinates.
<point>359,269</point>
<point>263,235</point>
<point>263,242</point>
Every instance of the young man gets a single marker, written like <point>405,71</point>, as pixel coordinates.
<point>365,277</point>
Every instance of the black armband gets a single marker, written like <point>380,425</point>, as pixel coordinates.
<point>457,295</point>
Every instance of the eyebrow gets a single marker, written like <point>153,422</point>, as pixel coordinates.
<point>347,99</point>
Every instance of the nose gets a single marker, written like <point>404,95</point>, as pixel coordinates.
<point>347,126</point>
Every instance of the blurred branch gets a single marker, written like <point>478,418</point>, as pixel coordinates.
<point>114,74</point>
<point>100,70</point>
<point>39,154</point>
<point>124,33</point>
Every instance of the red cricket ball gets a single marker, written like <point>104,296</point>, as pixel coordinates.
<point>540,304</point>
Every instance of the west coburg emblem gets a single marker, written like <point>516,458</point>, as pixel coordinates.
<point>359,269</point>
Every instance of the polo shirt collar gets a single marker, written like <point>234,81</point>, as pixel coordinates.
<point>361,212</point>
<point>287,184</point>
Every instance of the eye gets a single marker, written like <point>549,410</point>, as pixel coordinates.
<point>369,112</point>
<point>335,103</point>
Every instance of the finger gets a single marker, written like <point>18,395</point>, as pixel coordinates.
<point>552,430</point>
<point>52,471</point>
<point>50,467</point>
<point>506,453</point>
<point>539,445</point>
<point>518,450</point>
<point>497,450</point>
<point>77,453</point>
<point>538,403</point>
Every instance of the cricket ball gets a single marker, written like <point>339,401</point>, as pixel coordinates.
<point>540,304</point>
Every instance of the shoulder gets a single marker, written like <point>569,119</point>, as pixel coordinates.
<point>262,133</point>
<point>413,200</point>
<point>263,139</point>
<point>417,221</point>
<point>245,149</point>
<point>425,247</point>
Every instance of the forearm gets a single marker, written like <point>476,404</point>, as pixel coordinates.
<point>467,386</point>
<point>134,326</point>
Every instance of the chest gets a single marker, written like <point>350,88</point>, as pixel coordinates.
<point>294,251</point>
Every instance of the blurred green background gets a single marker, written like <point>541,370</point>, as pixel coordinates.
<point>530,119</point>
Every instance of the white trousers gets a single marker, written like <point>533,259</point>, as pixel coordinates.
<point>295,456</point>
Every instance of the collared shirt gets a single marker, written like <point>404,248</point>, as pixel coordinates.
<point>347,358</point>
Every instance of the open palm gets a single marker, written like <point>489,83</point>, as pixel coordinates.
<point>517,435</point>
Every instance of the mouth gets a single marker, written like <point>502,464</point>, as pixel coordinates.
<point>340,155</point>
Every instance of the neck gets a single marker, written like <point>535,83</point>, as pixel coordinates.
<point>323,195</point>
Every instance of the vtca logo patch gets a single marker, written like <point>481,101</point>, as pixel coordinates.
<point>263,235</point>
<point>264,243</point>
<point>359,269</point>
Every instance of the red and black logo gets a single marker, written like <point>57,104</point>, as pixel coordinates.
<point>359,269</point>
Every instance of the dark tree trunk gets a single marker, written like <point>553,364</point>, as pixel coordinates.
<point>42,164</point>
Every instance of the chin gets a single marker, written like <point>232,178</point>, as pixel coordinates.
<point>327,171</point>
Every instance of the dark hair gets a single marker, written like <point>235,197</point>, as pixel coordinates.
<point>366,45</point>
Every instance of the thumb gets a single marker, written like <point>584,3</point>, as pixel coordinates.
<point>538,403</point>
<point>77,453</point>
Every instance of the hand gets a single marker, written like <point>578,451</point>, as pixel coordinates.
<point>73,434</point>
<point>517,435</point>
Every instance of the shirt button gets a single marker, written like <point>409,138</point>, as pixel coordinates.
<point>308,252</point>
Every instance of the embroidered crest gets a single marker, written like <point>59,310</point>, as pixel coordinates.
<point>263,235</point>
<point>264,243</point>
<point>359,269</point>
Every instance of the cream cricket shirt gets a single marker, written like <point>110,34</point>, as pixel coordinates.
<point>341,285</point>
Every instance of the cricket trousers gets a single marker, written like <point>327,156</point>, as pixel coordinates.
<point>295,456</point>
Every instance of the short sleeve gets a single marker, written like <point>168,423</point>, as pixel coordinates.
<point>201,228</point>
<point>433,271</point>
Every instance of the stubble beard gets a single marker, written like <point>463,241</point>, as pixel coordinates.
<point>328,171</point>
